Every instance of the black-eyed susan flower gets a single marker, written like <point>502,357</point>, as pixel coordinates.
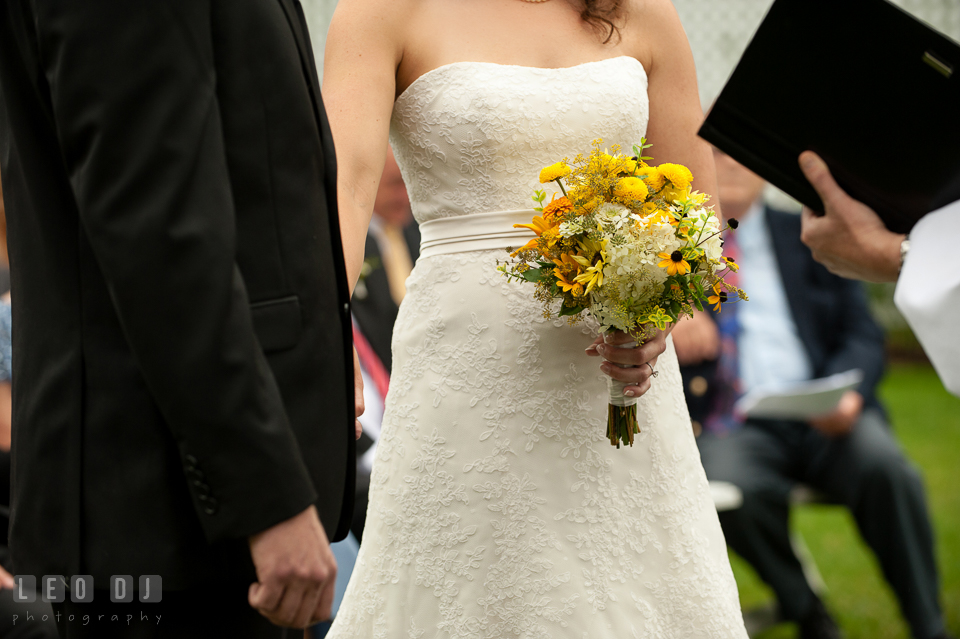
<point>718,298</point>
<point>731,264</point>
<point>674,263</point>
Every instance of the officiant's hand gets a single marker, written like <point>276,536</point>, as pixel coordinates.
<point>296,572</point>
<point>638,374</point>
<point>843,418</point>
<point>850,239</point>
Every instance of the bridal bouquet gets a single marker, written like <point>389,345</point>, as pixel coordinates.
<point>628,243</point>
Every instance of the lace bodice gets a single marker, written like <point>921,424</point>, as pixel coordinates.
<point>471,137</point>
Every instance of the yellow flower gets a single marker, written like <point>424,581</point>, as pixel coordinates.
<point>566,273</point>
<point>592,277</point>
<point>652,176</point>
<point>590,248</point>
<point>557,208</point>
<point>589,205</point>
<point>543,228</point>
<point>672,194</point>
<point>719,297</point>
<point>649,208</point>
<point>677,174</point>
<point>659,318</point>
<point>674,263</point>
<point>631,188</point>
<point>731,264</point>
<point>539,225</point>
<point>554,172</point>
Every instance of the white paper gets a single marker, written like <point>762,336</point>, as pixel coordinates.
<point>799,400</point>
<point>928,291</point>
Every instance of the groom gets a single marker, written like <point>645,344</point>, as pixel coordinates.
<point>183,395</point>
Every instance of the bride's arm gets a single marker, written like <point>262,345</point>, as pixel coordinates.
<point>654,34</point>
<point>363,50</point>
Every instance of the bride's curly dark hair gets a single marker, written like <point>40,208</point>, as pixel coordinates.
<point>602,15</point>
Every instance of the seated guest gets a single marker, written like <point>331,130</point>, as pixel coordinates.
<point>802,323</point>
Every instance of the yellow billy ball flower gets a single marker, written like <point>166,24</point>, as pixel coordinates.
<point>677,174</point>
<point>554,172</point>
<point>631,188</point>
<point>652,176</point>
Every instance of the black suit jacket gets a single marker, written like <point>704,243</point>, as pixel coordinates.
<point>182,374</point>
<point>831,313</point>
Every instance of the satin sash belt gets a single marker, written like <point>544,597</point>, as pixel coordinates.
<point>479,232</point>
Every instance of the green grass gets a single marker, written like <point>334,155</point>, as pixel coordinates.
<point>926,420</point>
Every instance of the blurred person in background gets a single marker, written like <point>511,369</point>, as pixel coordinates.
<point>17,620</point>
<point>852,241</point>
<point>802,323</point>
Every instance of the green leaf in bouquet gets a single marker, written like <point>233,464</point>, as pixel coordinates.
<point>569,310</point>
<point>533,275</point>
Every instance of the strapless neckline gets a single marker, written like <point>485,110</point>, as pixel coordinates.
<point>544,70</point>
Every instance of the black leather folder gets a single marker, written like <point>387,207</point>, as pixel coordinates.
<point>872,90</point>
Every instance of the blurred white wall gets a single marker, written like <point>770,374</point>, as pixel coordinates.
<point>318,14</point>
<point>719,31</point>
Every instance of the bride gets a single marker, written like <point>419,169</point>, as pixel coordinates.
<point>497,507</point>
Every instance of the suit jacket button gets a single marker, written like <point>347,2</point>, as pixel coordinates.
<point>211,507</point>
<point>191,460</point>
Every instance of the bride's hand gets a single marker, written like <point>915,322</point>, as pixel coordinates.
<point>639,374</point>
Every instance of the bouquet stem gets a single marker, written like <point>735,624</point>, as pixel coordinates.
<point>622,422</point>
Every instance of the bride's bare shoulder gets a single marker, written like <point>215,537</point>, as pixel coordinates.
<point>651,30</point>
<point>363,21</point>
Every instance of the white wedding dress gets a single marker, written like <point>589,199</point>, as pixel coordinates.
<point>497,507</point>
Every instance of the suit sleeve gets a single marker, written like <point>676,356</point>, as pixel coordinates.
<point>133,88</point>
<point>860,339</point>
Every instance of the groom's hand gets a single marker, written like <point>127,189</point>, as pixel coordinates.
<point>296,572</point>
